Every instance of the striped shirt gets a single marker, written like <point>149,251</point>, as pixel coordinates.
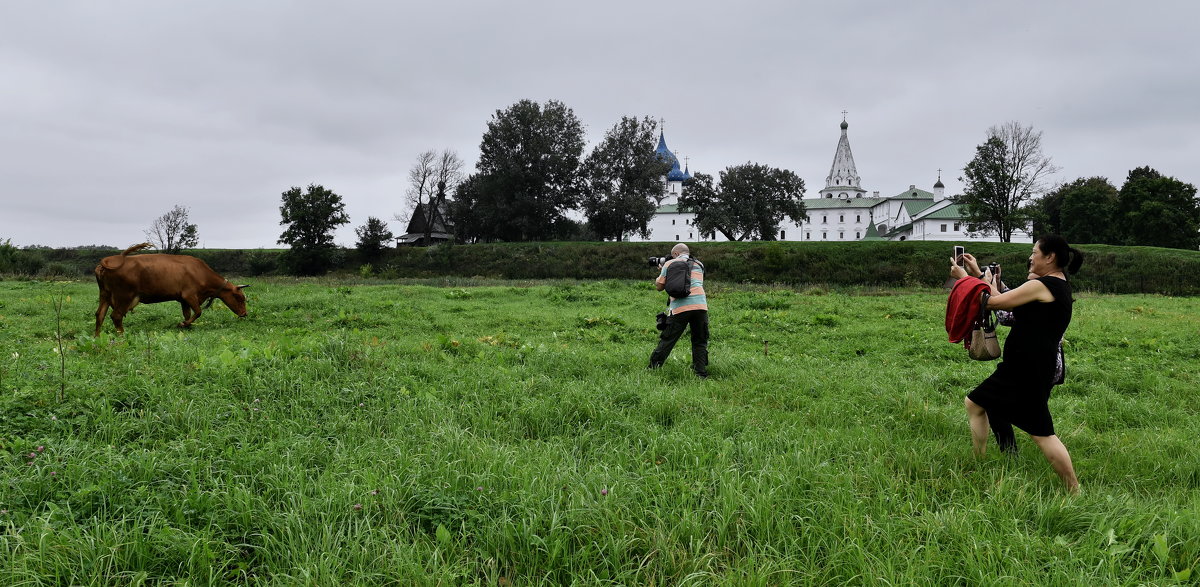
<point>696,299</point>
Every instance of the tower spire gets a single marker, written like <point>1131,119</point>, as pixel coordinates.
<point>843,180</point>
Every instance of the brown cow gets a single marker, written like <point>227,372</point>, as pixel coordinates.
<point>125,281</point>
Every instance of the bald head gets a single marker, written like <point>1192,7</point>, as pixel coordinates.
<point>679,249</point>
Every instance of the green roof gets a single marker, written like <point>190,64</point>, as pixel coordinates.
<point>916,206</point>
<point>668,209</point>
<point>951,212</point>
<point>899,229</point>
<point>872,233</point>
<point>914,193</point>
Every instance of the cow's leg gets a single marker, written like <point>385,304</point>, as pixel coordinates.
<point>118,318</point>
<point>187,311</point>
<point>101,311</point>
<point>194,304</point>
<point>122,305</point>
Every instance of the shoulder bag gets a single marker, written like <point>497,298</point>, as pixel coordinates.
<point>984,345</point>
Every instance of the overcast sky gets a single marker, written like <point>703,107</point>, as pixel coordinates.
<point>114,111</point>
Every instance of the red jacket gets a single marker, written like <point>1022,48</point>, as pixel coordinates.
<point>963,306</point>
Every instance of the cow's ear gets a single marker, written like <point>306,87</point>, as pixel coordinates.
<point>242,286</point>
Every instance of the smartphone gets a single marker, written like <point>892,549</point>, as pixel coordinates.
<point>958,254</point>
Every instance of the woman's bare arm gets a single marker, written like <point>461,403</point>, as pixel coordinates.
<point>1030,291</point>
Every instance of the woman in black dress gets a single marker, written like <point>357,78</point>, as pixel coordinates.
<point>1019,389</point>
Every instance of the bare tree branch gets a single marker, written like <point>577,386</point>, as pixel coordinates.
<point>172,232</point>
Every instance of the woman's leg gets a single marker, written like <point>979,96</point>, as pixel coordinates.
<point>1060,459</point>
<point>978,419</point>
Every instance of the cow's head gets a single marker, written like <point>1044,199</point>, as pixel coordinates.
<point>234,298</point>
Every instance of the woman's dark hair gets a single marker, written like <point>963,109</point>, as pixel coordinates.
<point>1066,257</point>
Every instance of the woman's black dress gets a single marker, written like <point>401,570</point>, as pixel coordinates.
<point>1019,389</point>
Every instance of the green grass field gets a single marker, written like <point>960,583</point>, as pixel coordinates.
<point>506,433</point>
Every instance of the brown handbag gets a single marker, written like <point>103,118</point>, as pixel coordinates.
<point>984,345</point>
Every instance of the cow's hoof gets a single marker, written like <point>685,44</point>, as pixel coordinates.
<point>184,325</point>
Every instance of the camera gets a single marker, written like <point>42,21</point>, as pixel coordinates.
<point>657,261</point>
<point>660,321</point>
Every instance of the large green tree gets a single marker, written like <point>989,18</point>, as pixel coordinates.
<point>311,216</point>
<point>467,209</point>
<point>1156,210</point>
<point>624,180</point>
<point>527,176</point>
<point>748,203</point>
<point>1086,210</point>
<point>1009,169</point>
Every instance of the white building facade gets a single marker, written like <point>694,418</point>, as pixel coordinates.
<point>841,212</point>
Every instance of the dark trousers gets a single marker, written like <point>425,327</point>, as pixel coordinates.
<point>676,323</point>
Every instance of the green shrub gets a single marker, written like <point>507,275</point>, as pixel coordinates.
<point>1106,269</point>
<point>58,269</point>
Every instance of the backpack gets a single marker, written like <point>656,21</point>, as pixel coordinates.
<point>679,279</point>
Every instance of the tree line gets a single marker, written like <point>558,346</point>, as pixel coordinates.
<point>1006,188</point>
<point>532,172</point>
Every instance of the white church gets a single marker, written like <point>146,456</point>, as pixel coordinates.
<point>842,212</point>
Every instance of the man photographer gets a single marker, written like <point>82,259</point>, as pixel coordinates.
<point>688,310</point>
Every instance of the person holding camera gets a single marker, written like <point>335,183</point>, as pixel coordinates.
<point>1019,390</point>
<point>688,310</point>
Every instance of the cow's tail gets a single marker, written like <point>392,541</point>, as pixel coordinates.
<point>116,261</point>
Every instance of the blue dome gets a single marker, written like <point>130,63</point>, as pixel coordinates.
<point>676,174</point>
<point>665,154</point>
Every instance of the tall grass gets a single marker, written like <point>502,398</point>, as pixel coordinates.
<point>509,433</point>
